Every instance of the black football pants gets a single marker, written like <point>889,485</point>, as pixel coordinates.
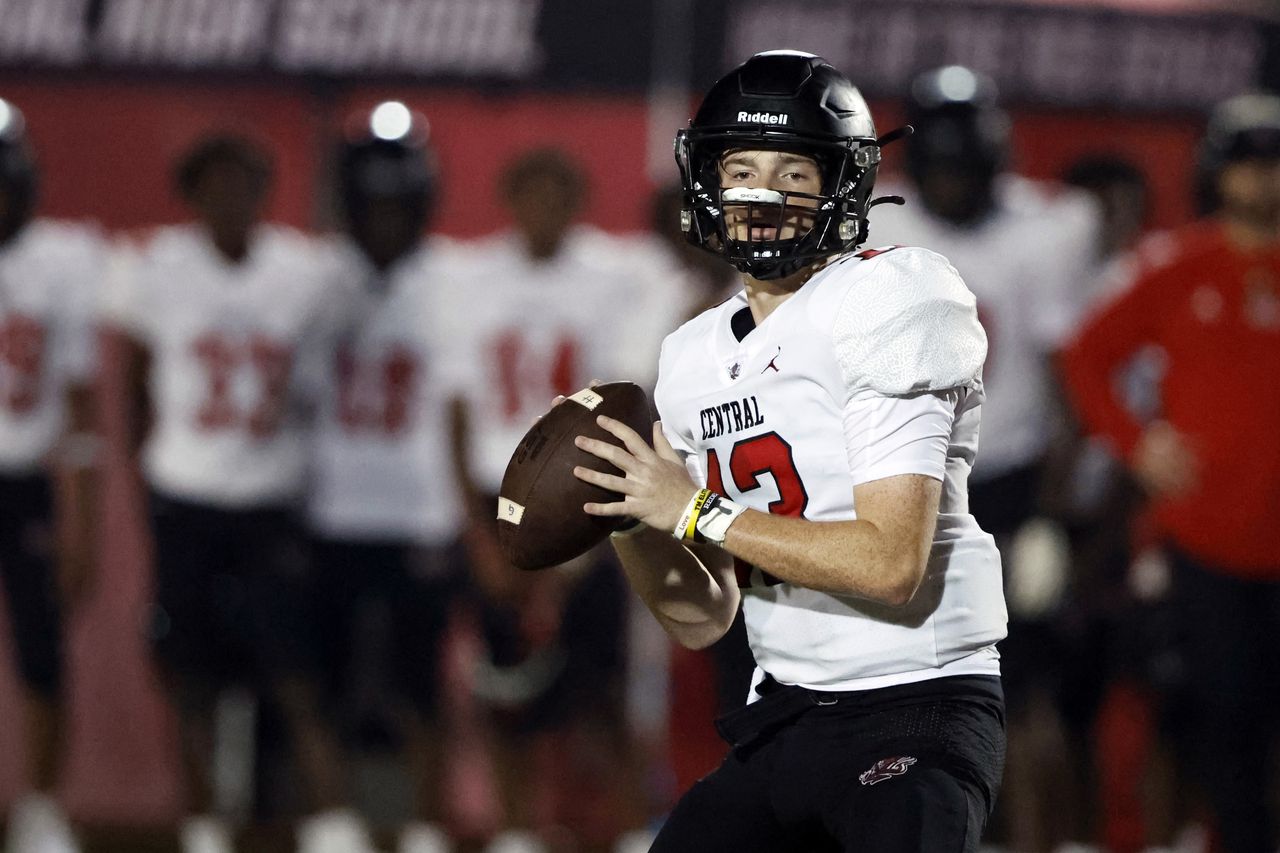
<point>1232,657</point>
<point>30,586</point>
<point>910,769</point>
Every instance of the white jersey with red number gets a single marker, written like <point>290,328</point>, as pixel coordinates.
<point>1029,262</point>
<point>225,341</point>
<point>381,467</point>
<point>870,370</point>
<point>535,329</point>
<point>49,272</point>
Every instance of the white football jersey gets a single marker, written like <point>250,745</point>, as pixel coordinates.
<point>381,466</point>
<point>226,341</point>
<point>535,329</point>
<point>665,294</point>
<point>870,370</point>
<point>1030,265</point>
<point>49,276</point>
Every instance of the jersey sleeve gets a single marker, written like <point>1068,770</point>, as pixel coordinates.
<point>333,312</point>
<point>84,256</point>
<point>908,325</point>
<point>1105,344</point>
<point>660,291</point>
<point>887,436</point>
<point>461,367</point>
<point>1058,287</point>
<point>123,302</point>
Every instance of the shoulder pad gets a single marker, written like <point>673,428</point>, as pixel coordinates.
<point>907,324</point>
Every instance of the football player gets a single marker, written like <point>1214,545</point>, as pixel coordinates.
<point>810,465</point>
<point>547,316</point>
<point>1208,297</point>
<point>383,508</point>
<point>48,274</point>
<point>1027,251</point>
<point>218,315</point>
<point>1118,689</point>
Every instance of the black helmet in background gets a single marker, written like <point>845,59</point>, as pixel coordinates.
<point>789,101</point>
<point>386,180</point>
<point>960,141</point>
<point>1246,127</point>
<point>19,180</point>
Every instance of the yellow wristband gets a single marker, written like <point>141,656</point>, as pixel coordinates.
<point>688,524</point>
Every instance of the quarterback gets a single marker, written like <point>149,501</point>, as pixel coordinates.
<point>810,465</point>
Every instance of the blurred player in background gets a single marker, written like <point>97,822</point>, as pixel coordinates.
<point>383,505</point>
<point>835,381</point>
<point>1209,297</point>
<point>1026,250</point>
<point>549,303</point>
<point>1123,196</point>
<point>1119,684</point>
<point>682,282</point>
<point>218,315</point>
<point>49,272</point>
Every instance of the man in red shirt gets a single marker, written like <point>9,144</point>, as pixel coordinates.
<point>1209,297</point>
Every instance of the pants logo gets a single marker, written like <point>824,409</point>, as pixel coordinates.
<point>886,768</point>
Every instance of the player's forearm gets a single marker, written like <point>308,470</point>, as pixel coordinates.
<point>472,496</point>
<point>137,385</point>
<point>695,602</point>
<point>854,558</point>
<point>79,459</point>
<point>80,529</point>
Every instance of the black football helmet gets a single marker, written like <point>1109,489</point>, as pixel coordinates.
<point>780,100</point>
<point>958,124</point>
<point>386,181</point>
<point>386,155</point>
<point>19,179</point>
<point>1246,127</point>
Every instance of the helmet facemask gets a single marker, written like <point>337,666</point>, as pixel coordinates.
<point>768,233</point>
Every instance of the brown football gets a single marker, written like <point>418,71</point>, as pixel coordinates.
<point>540,518</point>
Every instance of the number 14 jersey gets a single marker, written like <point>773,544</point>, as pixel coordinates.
<point>871,370</point>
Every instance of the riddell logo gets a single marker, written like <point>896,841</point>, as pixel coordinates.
<point>763,118</point>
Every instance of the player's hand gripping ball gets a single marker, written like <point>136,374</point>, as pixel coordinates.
<point>540,518</point>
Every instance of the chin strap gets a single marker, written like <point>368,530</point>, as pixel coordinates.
<point>892,136</point>
<point>886,199</point>
<point>896,134</point>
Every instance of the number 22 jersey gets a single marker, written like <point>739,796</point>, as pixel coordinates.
<point>872,369</point>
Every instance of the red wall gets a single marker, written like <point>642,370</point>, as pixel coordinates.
<point>107,147</point>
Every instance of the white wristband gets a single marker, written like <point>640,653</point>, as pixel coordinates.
<point>716,517</point>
